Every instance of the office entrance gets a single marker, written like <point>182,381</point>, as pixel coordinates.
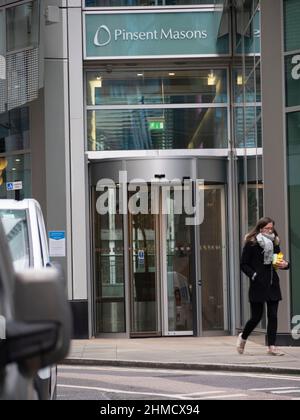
<point>162,265</point>
<point>155,272</point>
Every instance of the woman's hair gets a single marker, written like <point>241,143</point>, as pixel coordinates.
<point>264,221</point>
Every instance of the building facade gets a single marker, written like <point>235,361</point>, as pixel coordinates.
<point>139,99</point>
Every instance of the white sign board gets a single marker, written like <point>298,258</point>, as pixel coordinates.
<point>57,244</point>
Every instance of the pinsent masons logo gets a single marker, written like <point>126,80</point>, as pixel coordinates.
<point>102,36</point>
<point>2,328</point>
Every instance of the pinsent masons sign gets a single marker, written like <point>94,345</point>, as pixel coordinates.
<point>138,35</point>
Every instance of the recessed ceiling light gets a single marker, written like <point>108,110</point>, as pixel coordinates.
<point>239,80</point>
<point>14,169</point>
<point>211,79</point>
<point>171,74</point>
<point>140,74</point>
<point>18,160</point>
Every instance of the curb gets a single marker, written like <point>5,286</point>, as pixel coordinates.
<point>182,366</point>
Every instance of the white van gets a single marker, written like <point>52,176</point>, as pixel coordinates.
<point>25,231</point>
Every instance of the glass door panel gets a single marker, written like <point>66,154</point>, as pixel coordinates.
<point>143,237</point>
<point>180,269</point>
<point>213,260</point>
<point>109,267</point>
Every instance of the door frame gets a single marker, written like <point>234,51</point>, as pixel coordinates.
<point>164,273</point>
<point>190,166</point>
<point>161,272</point>
<point>225,284</point>
<point>158,281</point>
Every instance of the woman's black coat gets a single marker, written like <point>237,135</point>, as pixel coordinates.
<point>265,286</point>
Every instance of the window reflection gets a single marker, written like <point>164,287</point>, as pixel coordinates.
<point>142,3</point>
<point>15,226</point>
<point>109,263</point>
<point>138,129</point>
<point>14,130</point>
<point>292,75</point>
<point>22,26</point>
<point>248,131</point>
<point>248,31</point>
<point>156,87</point>
<point>15,168</point>
<point>291,10</point>
<point>2,34</point>
<point>248,80</point>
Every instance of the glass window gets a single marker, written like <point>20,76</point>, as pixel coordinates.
<point>246,76</point>
<point>2,34</point>
<point>15,168</point>
<point>156,87</point>
<point>292,27</point>
<point>14,130</point>
<point>16,230</point>
<point>250,81</point>
<point>212,249</point>
<point>248,132</point>
<point>3,84</point>
<point>179,244</point>
<point>138,129</point>
<point>292,77</point>
<point>248,35</point>
<point>109,263</point>
<point>293,143</point>
<point>255,204</point>
<point>22,26</point>
<point>143,3</point>
<point>143,273</point>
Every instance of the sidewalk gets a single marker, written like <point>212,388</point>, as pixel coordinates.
<point>202,353</point>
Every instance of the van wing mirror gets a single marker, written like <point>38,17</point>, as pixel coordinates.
<point>26,341</point>
<point>40,297</point>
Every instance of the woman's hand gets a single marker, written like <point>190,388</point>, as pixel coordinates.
<point>282,264</point>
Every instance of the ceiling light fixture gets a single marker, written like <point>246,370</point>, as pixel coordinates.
<point>211,79</point>
<point>98,83</point>
<point>239,79</point>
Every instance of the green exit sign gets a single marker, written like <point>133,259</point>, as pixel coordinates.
<point>156,125</point>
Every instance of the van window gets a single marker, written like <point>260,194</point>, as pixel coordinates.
<point>16,230</point>
<point>42,236</point>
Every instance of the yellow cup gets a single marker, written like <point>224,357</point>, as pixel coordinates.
<point>277,258</point>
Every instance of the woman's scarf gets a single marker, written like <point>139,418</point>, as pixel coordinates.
<point>266,242</point>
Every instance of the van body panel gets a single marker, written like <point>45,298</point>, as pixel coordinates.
<point>38,258</point>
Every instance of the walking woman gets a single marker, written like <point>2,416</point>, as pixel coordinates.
<point>258,264</point>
